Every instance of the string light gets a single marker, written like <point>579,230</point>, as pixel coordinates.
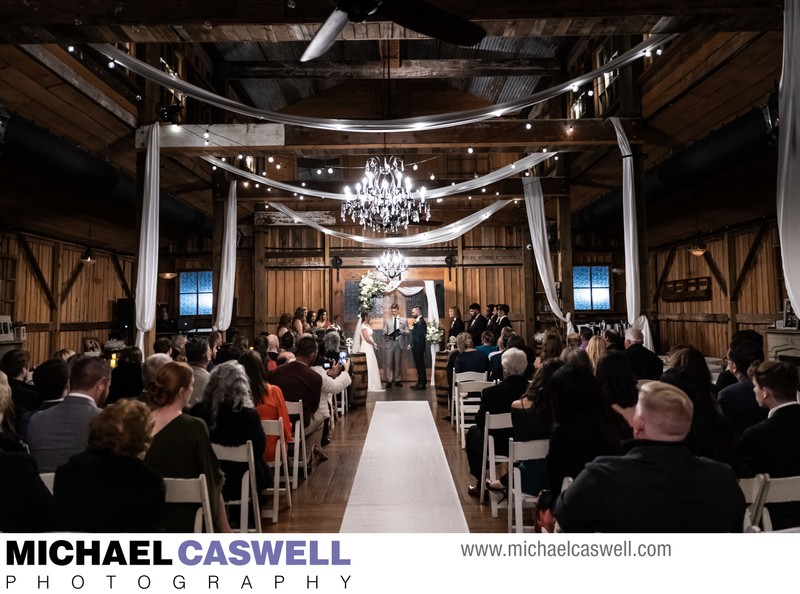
<point>528,126</point>
<point>470,150</point>
<point>330,169</point>
<point>433,177</point>
<point>271,159</point>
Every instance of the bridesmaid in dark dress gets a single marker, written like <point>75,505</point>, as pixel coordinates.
<point>457,325</point>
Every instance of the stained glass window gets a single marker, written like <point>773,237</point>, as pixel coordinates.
<point>196,293</point>
<point>592,286</point>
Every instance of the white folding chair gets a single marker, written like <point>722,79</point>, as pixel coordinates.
<point>193,490</point>
<point>299,444</point>
<point>517,499</point>
<point>280,463</point>
<point>468,406</point>
<point>48,478</point>
<point>464,376</point>
<point>340,402</point>
<point>496,421</point>
<point>249,493</point>
<point>754,492</point>
<point>778,490</point>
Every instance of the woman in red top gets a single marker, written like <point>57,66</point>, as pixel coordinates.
<point>268,399</point>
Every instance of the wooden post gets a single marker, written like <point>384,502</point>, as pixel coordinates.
<point>55,314</point>
<point>529,271</point>
<point>219,194</point>
<point>733,304</point>
<point>260,280</point>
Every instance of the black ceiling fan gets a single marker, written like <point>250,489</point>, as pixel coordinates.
<point>417,15</point>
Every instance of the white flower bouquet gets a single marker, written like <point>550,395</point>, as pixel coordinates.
<point>435,333</point>
<point>369,287</point>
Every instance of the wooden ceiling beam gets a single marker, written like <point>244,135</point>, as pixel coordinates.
<point>209,13</point>
<point>376,69</point>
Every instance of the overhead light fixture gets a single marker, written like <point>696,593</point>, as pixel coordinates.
<point>392,264</point>
<point>382,199</point>
<point>88,257</point>
<point>698,248</point>
<point>167,275</point>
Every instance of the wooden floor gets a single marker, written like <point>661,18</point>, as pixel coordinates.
<point>319,503</point>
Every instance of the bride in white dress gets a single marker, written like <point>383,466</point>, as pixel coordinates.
<point>364,343</point>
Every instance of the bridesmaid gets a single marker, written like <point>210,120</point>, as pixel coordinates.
<point>457,325</point>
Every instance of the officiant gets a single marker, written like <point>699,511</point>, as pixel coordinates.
<point>395,329</point>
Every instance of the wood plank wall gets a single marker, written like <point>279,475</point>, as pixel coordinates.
<point>708,325</point>
<point>88,307</point>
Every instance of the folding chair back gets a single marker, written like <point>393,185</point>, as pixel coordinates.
<point>299,456</point>
<point>194,490</point>
<point>779,490</point>
<point>518,500</point>
<point>464,376</point>
<point>249,492</point>
<point>280,463</point>
<point>468,405</point>
<point>48,478</point>
<point>754,492</point>
<point>492,422</point>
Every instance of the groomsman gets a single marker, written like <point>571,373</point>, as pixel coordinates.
<point>417,346</point>
<point>476,324</point>
<point>394,329</point>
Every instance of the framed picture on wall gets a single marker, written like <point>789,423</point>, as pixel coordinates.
<point>790,320</point>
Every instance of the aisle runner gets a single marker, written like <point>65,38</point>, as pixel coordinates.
<point>403,482</point>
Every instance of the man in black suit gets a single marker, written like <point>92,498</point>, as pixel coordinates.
<point>644,362</point>
<point>737,401</point>
<point>658,485</point>
<point>417,346</point>
<point>501,320</point>
<point>773,445</point>
<point>477,323</point>
<point>496,400</point>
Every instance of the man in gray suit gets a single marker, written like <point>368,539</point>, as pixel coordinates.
<point>395,329</point>
<point>56,433</point>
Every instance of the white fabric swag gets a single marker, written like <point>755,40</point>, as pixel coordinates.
<point>446,233</point>
<point>534,206</point>
<point>442,192</point>
<point>227,273</point>
<point>147,268</point>
<point>788,155</point>
<point>632,296</point>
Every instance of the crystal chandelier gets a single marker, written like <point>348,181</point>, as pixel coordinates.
<point>392,264</point>
<point>383,198</point>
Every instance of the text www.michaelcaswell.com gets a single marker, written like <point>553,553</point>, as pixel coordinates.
<point>567,549</point>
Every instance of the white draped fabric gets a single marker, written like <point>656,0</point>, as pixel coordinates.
<point>788,155</point>
<point>534,205</point>
<point>227,272</point>
<point>430,122</point>
<point>446,233</point>
<point>147,269</point>
<point>442,192</point>
<point>357,336</point>
<point>632,297</point>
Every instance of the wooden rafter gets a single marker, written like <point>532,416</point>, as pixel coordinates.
<point>748,261</point>
<point>37,271</point>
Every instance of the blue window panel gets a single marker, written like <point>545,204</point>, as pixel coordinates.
<point>205,302</point>
<point>188,305</point>
<point>601,299</point>
<point>600,276</point>
<point>580,276</point>
<point>583,299</point>
<point>188,282</point>
<point>205,282</point>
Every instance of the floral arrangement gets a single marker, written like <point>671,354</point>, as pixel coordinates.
<point>451,343</point>
<point>435,333</point>
<point>369,287</point>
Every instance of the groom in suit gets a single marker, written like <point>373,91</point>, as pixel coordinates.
<point>395,329</point>
<point>418,333</point>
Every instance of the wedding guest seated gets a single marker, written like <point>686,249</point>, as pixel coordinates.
<point>614,342</point>
<point>25,502</point>
<point>215,342</point>
<point>268,400</point>
<point>178,344</point>
<point>658,485</point>
<point>586,334</point>
<point>596,348</point>
<point>288,343</point>
<point>181,447</point>
<point>198,356</point>
<point>150,369</point>
<point>487,345</point>
<point>573,339</point>
<point>584,426</point>
<point>55,434</point>
<point>617,384</point>
<point>773,445</point>
<point>573,355</point>
<point>644,362</point>
<point>16,364</point>
<point>132,494</point>
<point>727,377</point>
<point>227,408</point>
<point>335,380</point>
<point>126,377</point>
<point>285,357</point>
<point>737,401</point>
<point>685,356</point>
<point>64,355</point>
<point>551,348</point>
<point>163,345</point>
<point>496,400</point>
<point>51,379</point>
<point>468,358</point>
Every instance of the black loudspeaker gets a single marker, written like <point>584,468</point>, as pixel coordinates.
<point>126,317</point>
